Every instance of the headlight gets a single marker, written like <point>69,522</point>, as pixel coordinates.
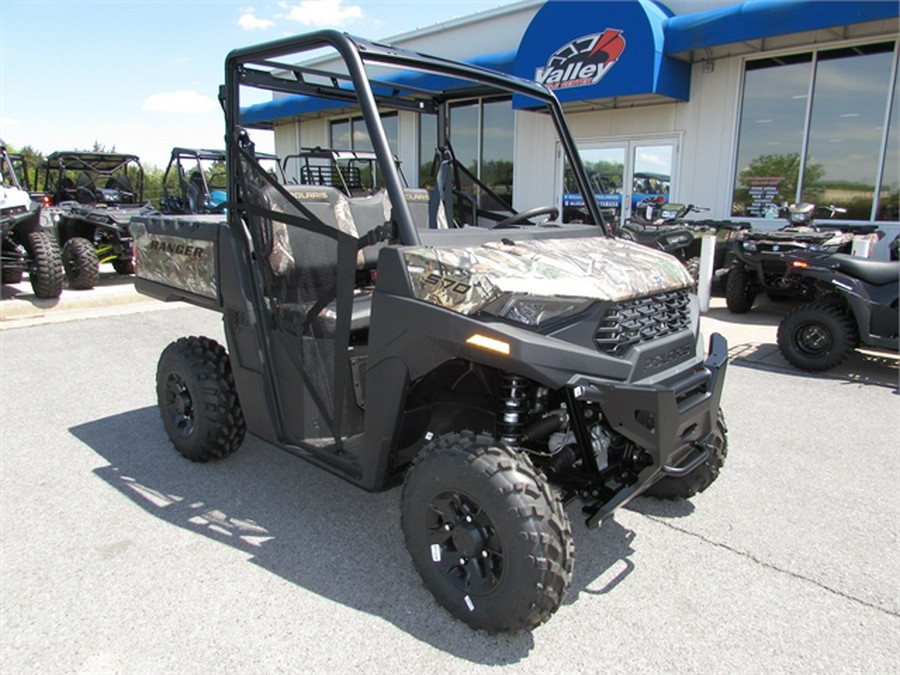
<point>749,246</point>
<point>678,239</point>
<point>536,310</point>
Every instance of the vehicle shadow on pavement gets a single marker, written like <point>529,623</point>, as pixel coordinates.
<point>22,291</point>
<point>860,367</point>
<point>318,532</point>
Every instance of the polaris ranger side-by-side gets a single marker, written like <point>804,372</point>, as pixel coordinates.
<point>494,361</point>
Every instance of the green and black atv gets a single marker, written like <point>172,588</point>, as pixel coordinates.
<point>94,195</point>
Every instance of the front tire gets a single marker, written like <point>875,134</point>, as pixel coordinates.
<point>80,263</point>
<point>198,399</point>
<point>703,476</point>
<point>817,336</point>
<point>487,533</point>
<point>46,269</point>
<point>739,289</point>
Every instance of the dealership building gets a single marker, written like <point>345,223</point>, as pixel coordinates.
<point>732,106</point>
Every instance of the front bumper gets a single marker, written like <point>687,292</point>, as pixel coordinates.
<point>670,421</point>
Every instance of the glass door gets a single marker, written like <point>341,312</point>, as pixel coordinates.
<point>627,176</point>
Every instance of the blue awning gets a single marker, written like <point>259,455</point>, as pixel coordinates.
<point>759,19</point>
<point>296,105</point>
<point>601,50</point>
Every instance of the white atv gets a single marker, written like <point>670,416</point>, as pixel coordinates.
<point>25,245</point>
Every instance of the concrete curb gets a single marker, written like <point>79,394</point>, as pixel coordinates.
<point>115,293</point>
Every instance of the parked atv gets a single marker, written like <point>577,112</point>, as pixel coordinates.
<point>497,364</point>
<point>97,194</point>
<point>664,225</point>
<point>672,237</point>
<point>759,256</point>
<point>853,303</point>
<point>195,181</point>
<point>25,245</point>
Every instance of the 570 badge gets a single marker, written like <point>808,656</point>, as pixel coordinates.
<point>446,283</point>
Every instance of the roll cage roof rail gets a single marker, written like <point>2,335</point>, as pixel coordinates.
<point>422,83</point>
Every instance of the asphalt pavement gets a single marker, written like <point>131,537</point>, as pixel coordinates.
<point>120,556</point>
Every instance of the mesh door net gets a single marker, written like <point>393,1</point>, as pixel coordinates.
<point>306,245</point>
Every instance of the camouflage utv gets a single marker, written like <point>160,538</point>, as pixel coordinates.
<point>496,362</point>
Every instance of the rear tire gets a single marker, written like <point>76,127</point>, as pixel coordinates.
<point>10,275</point>
<point>817,336</point>
<point>80,262</point>
<point>700,478</point>
<point>123,265</point>
<point>46,269</point>
<point>487,533</point>
<point>198,399</point>
<point>739,289</point>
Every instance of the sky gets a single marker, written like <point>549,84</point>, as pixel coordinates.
<point>143,75</point>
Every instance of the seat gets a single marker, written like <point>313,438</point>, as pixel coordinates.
<point>123,185</point>
<point>419,202</point>
<point>195,191</point>
<point>877,272</point>
<point>85,189</point>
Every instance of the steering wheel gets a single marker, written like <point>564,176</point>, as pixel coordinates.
<point>533,212</point>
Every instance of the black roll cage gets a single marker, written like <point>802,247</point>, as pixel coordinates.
<point>259,67</point>
<point>103,164</point>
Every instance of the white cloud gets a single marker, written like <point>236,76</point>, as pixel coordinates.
<point>249,21</point>
<point>182,101</point>
<point>324,13</point>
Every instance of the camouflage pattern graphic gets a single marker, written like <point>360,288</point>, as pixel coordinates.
<point>180,262</point>
<point>467,279</point>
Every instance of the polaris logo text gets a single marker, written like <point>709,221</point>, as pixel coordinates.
<point>583,62</point>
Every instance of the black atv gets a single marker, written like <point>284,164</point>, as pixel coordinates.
<point>664,225</point>
<point>96,195</point>
<point>852,302</point>
<point>195,181</point>
<point>25,245</point>
<point>759,259</point>
<point>497,364</point>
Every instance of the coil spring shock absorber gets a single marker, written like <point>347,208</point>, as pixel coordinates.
<point>516,390</point>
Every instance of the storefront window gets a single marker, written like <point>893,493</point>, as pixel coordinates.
<point>464,134</point>
<point>351,134</point>
<point>497,148</point>
<point>773,117</point>
<point>824,149</point>
<point>340,135</point>
<point>482,136</point>
<point>427,148</point>
<point>889,196</point>
<point>846,130</point>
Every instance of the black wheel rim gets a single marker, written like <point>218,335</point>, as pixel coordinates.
<point>464,543</point>
<point>813,339</point>
<point>179,405</point>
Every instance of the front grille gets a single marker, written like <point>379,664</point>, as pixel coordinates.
<point>631,322</point>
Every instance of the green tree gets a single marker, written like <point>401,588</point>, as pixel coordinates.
<point>786,168</point>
